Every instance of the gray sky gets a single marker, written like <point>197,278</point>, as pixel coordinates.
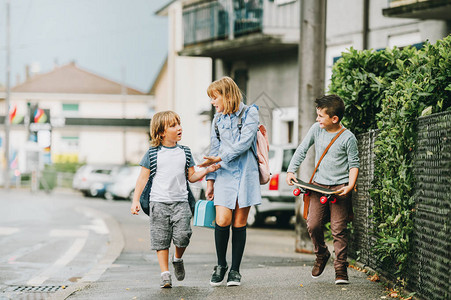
<point>101,36</point>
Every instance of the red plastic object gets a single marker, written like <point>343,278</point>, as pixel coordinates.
<point>307,193</point>
<point>274,183</point>
<point>323,199</point>
<point>334,199</point>
<point>296,192</point>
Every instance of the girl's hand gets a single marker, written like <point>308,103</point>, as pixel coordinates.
<point>209,160</point>
<point>210,192</point>
<point>213,168</point>
<point>136,207</point>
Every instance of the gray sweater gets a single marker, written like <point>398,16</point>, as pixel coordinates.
<point>342,156</point>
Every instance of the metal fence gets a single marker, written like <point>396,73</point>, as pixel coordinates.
<point>431,254</point>
<point>430,260</point>
<point>215,20</point>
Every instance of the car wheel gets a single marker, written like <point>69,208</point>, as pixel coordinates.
<point>254,218</point>
<point>283,220</point>
<point>109,196</point>
<point>93,192</point>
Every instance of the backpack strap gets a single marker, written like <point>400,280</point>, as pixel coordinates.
<point>216,127</point>
<point>188,156</point>
<point>240,117</point>
<point>153,151</point>
<point>239,125</point>
<point>191,199</point>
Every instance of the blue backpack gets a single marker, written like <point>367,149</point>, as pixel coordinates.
<point>145,195</point>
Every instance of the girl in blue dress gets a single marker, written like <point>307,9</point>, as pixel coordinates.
<point>235,187</point>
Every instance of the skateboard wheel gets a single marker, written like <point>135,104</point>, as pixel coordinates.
<point>296,192</point>
<point>307,193</point>
<point>334,199</point>
<point>323,199</point>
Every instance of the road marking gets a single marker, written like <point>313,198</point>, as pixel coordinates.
<point>8,230</point>
<point>98,226</point>
<point>67,257</point>
<point>68,233</point>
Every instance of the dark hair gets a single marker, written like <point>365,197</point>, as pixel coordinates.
<point>333,104</point>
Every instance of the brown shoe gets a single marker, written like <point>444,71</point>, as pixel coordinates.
<point>341,276</point>
<point>320,264</point>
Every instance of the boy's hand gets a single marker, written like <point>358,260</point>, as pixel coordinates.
<point>136,207</point>
<point>345,190</point>
<point>291,177</point>
<point>209,160</point>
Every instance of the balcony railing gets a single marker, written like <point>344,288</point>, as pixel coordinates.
<point>221,19</point>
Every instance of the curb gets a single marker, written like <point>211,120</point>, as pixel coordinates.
<point>116,241</point>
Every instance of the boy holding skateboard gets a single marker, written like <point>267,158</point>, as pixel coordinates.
<point>167,166</point>
<point>338,171</point>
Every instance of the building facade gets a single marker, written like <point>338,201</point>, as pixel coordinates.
<point>256,43</point>
<point>73,115</point>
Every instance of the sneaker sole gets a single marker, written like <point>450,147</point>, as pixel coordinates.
<point>233,283</point>
<point>341,281</point>
<point>215,283</point>
<point>167,285</point>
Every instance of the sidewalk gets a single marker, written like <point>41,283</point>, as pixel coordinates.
<point>270,270</point>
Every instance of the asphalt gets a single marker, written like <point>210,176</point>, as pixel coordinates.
<point>270,269</point>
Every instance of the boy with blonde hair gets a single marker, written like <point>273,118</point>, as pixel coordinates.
<point>162,191</point>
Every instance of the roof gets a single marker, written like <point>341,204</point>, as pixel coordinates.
<point>70,79</point>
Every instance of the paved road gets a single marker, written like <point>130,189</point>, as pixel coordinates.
<point>96,250</point>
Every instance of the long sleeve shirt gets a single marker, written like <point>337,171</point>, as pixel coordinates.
<point>342,156</point>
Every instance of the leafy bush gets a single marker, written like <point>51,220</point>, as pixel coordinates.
<point>361,78</point>
<point>388,90</point>
<point>425,82</point>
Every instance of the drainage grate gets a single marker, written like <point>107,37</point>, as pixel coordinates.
<point>33,289</point>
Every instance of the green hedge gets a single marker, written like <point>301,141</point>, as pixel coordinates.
<point>391,100</point>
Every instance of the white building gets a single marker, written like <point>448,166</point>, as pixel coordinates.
<point>182,83</point>
<point>84,117</point>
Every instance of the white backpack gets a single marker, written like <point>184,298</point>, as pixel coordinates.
<point>262,150</point>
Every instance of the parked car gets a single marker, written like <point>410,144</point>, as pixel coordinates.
<point>91,180</point>
<point>277,196</point>
<point>123,183</point>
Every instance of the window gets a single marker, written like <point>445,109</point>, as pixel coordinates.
<point>287,155</point>
<point>70,109</point>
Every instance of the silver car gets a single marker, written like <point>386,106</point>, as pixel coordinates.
<point>92,180</point>
<point>123,184</point>
<point>277,196</point>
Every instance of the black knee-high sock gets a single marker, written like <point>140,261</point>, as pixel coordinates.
<point>221,241</point>
<point>238,243</point>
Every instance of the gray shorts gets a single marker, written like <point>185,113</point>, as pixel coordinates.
<point>169,221</point>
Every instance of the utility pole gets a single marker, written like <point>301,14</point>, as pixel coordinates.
<point>8,71</point>
<point>124,114</point>
<point>312,44</point>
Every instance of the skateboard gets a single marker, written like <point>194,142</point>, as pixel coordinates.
<point>306,188</point>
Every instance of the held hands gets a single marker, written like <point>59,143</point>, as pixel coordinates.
<point>209,160</point>
<point>213,168</point>
<point>291,177</point>
<point>136,207</point>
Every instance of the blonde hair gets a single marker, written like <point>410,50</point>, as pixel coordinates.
<point>230,92</point>
<point>158,125</point>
